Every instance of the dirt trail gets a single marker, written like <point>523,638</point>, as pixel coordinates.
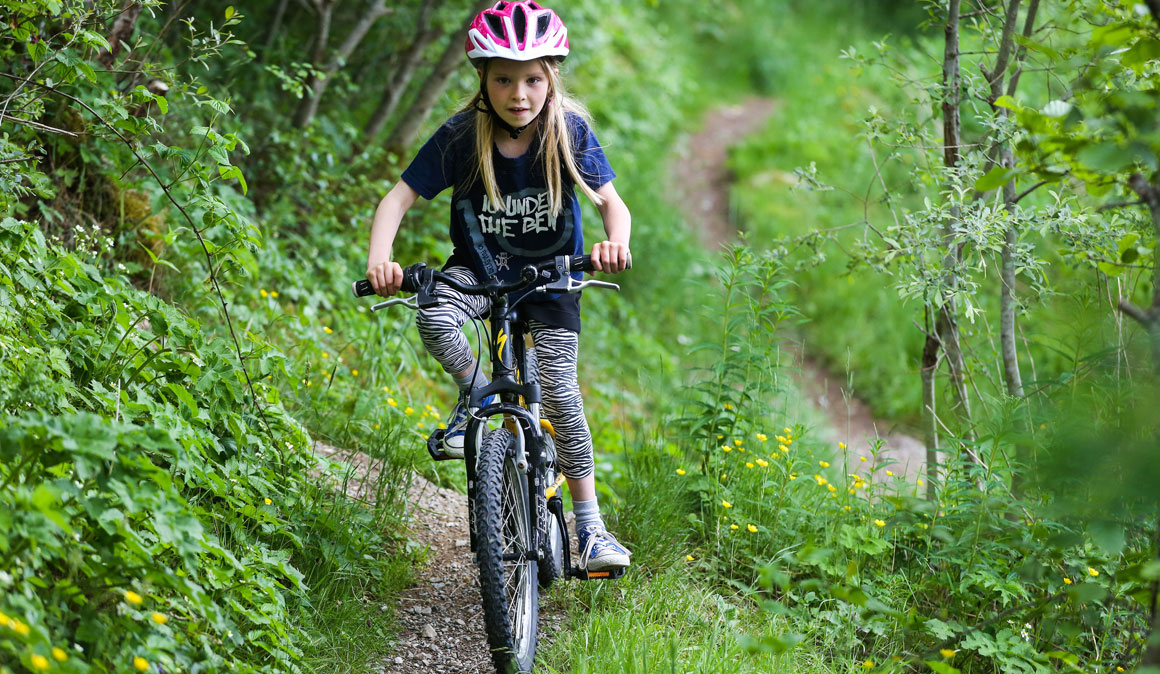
<point>704,181</point>
<point>440,619</point>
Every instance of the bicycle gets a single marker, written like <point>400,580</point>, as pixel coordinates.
<point>515,512</point>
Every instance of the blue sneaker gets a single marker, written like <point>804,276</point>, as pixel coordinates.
<point>599,550</point>
<point>457,425</point>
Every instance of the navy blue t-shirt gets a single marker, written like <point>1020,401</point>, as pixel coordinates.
<point>501,241</point>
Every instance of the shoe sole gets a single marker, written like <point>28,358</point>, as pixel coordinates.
<point>608,562</point>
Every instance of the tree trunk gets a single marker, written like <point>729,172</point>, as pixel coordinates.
<point>946,323</point>
<point>404,70</point>
<point>416,115</point>
<point>122,31</point>
<point>930,358</point>
<point>1149,318</point>
<point>275,26</point>
<point>309,106</point>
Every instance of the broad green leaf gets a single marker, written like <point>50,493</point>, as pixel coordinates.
<point>941,667</point>
<point>995,178</point>
<point>1006,102</point>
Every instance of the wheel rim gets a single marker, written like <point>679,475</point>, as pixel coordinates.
<point>518,578</point>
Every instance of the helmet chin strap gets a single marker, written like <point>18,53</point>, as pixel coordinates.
<point>490,109</point>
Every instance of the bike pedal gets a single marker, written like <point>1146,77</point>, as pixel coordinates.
<point>435,447</point>
<point>610,574</point>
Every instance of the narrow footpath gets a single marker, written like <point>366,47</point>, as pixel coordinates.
<point>705,182</point>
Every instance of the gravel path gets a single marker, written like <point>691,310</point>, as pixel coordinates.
<point>440,619</point>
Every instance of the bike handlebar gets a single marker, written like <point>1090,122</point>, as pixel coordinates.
<point>418,277</point>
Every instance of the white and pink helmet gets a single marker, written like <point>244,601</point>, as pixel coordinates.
<point>520,30</point>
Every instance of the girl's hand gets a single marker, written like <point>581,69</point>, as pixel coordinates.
<point>611,257</point>
<point>385,277</point>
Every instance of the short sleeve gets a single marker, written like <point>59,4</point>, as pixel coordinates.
<point>433,168</point>
<point>590,159</point>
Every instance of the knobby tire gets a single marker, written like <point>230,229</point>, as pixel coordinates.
<point>509,589</point>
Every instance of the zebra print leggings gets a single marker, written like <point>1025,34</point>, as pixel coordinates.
<point>440,328</point>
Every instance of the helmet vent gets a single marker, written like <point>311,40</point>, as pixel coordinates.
<point>542,25</point>
<point>521,21</point>
<point>500,6</point>
<point>495,23</point>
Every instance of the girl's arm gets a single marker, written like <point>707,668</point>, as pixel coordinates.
<point>386,276</point>
<point>613,256</point>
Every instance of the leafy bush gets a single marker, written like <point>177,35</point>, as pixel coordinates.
<point>154,515</point>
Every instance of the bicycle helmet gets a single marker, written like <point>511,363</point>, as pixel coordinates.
<point>521,30</point>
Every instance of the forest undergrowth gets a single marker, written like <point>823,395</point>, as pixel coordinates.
<point>183,207</point>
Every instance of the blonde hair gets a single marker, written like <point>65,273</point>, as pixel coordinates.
<point>555,149</point>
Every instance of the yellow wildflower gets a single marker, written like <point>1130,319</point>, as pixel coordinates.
<point>846,508</point>
<point>39,662</point>
<point>140,663</point>
<point>762,462</point>
<point>752,529</point>
<point>1067,581</point>
<point>409,411</point>
<point>869,664</point>
<point>726,448</point>
<point>392,403</point>
<point>762,437</point>
<point>429,408</point>
<point>327,330</point>
<point>783,440</point>
<point>274,294</point>
<point>726,504</point>
<point>267,500</point>
<point>161,618</point>
<point>263,293</point>
<point>680,471</point>
<point>741,449</point>
<point>821,480</point>
<point>386,390</point>
<point>377,427</point>
<point>689,558</point>
<point>831,487</point>
<point>787,431</point>
<point>841,445</point>
<point>734,526</point>
<point>354,373</point>
<point>325,355</point>
<point>728,406</point>
<point>720,437</point>
<point>853,491</point>
<point>862,458</point>
<point>890,473</point>
<point>1093,573</point>
<point>948,653</point>
<point>879,523</point>
<point>59,655</point>
<point>19,627</point>
<point>792,477</point>
<point>824,464</point>
<point>723,476</point>
<point>783,448</point>
<point>748,464</point>
<point>920,481</point>
<point>132,597</point>
<point>737,442</point>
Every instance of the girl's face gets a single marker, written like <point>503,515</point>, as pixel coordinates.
<point>517,89</point>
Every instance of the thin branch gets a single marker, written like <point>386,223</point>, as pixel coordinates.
<point>1136,313</point>
<point>1029,190</point>
<point>1119,204</point>
<point>38,125</point>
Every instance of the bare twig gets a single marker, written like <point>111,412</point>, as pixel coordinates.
<point>37,125</point>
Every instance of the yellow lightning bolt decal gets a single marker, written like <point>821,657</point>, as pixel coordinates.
<point>500,341</point>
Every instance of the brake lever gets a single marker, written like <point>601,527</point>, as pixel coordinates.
<point>566,284</point>
<point>411,303</point>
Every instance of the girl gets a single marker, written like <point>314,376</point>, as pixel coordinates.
<point>515,158</point>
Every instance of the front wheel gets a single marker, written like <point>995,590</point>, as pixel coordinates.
<point>507,577</point>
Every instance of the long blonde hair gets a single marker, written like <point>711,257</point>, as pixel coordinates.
<point>555,149</point>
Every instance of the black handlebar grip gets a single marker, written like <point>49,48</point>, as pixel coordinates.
<point>362,288</point>
<point>581,263</point>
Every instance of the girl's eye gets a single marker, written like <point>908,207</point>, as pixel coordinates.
<point>534,80</point>
<point>502,80</point>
